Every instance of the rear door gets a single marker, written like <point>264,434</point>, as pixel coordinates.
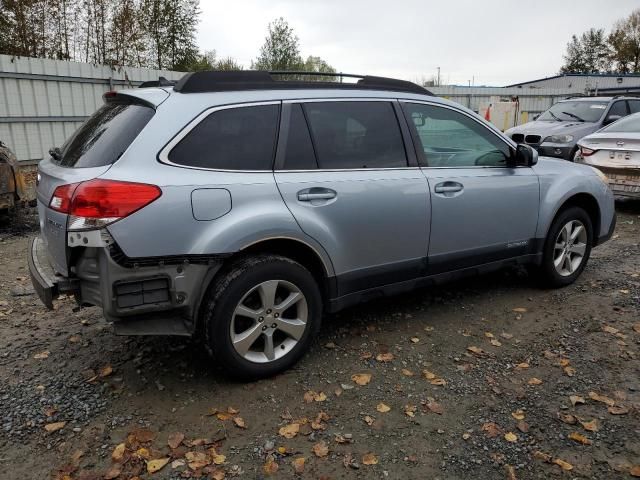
<point>482,209</point>
<point>343,171</point>
<point>90,151</point>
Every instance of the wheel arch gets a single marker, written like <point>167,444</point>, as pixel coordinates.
<point>588,203</point>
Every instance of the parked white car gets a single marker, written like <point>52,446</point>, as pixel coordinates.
<point>615,150</point>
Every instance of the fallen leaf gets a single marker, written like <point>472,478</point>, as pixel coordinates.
<point>488,335</point>
<point>636,328</point>
<point>218,458</point>
<point>385,357</point>
<point>522,426</point>
<point>415,340</point>
<point>590,426</point>
<point>578,437</point>
<point>466,436</point>
<point>522,366</point>
<point>476,351</point>
<point>569,371</point>
<point>142,453</point>
<point>342,439</point>
<point>369,459</point>
<point>369,420</point>
<point>610,329</point>
<point>491,429</point>
<point>520,310</point>
<point>567,418</point>
<point>311,396</point>
<point>196,460</point>
<point>602,399</point>
<point>298,464</point>
<point>438,381</point>
<point>289,431</point>
<point>434,407</point>
<point>576,399</point>
<point>410,410</point>
<point>383,407</point>
<point>54,427</point>
<point>361,378</point>
<point>105,371</point>
<point>635,471</point>
<point>42,355</point>
<point>510,437</point>
<point>270,467</point>
<point>154,466</point>
<point>506,336</point>
<point>175,439</point>
<point>618,410</point>
<point>114,472</point>
<point>518,414</point>
<point>496,343</point>
<point>320,449</point>
<point>564,465</point>
<point>511,472</point>
<point>337,392</point>
<point>178,463</point>
<point>239,422</point>
<point>118,452</point>
<point>407,373</point>
<point>366,355</point>
<point>223,416</point>
<point>534,381</point>
<point>143,435</point>
<point>428,375</point>
<point>545,457</point>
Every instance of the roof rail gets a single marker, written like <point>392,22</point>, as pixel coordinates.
<point>223,81</point>
<point>161,82</point>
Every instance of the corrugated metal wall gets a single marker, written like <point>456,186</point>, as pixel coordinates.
<point>531,102</point>
<point>580,84</point>
<point>42,102</point>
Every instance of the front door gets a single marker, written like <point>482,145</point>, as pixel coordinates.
<point>343,173</point>
<point>483,210</point>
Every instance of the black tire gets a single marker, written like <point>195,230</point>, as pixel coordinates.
<point>227,291</point>
<point>548,275</point>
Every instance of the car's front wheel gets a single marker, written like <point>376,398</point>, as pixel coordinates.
<point>567,247</point>
<point>261,316</point>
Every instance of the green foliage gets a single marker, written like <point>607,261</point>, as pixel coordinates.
<point>625,44</point>
<point>281,49</point>
<point>588,53</point>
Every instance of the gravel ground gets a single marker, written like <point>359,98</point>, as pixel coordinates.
<point>485,378</point>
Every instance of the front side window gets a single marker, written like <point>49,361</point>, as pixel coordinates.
<point>241,138</point>
<point>618,109</point>
<point>634,106</point>
<point>349,135</point>
<point>452,139</point>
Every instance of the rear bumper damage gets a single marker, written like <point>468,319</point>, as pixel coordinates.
<point>151,297</point>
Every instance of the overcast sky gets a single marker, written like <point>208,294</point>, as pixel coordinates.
<point>496,41</point>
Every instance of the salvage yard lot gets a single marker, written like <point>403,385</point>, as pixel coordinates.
<point>485,378</point>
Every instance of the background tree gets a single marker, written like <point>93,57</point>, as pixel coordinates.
<point>624,41</point>
<point>281,50</point>
<point>588,53</point>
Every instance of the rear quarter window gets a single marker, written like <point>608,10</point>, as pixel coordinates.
<point>105,136</point>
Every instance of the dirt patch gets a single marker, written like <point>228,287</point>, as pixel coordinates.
<point>479,378</point>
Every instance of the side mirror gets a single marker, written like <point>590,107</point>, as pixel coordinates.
<point>526,156</point>
<point>611,118</point>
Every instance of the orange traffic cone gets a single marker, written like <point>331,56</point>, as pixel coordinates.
<point>487,115</point>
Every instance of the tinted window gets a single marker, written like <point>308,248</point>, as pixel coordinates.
<point>356,135</point>
<point>629,124</point>
<point>452,139</point>
<point>575,110</point>
<point>299,153</point>
<point>240,138</point>
<point>618,108</point>
<point>634,106</point>
<point>104,137</point>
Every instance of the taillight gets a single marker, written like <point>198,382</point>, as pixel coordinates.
<point>586,151</point>
<point>96,203</point>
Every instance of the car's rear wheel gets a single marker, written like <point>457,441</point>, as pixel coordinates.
<point>261,316</point>
<point>567,247</point>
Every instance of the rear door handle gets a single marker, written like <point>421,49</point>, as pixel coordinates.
<point>448,187</point>
<point>310,194</point>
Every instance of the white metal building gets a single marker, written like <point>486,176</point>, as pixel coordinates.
<point>584,83</point>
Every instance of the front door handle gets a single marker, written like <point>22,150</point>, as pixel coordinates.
<point>448,187</point>
<point>310,194</point>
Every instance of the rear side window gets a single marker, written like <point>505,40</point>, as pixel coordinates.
<point>634,106</point>
<point>299,154</point>
<point>105,136</point>
<point>241,138</point>
<point>618,108</point>
<point>355,135</point>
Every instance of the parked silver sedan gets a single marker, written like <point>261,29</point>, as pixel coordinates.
<point>615,150</point>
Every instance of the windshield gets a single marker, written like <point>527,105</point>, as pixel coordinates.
<point>630,124</point>
<point>104,137</point>
<point>576,111</point>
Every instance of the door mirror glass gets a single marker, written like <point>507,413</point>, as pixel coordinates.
<point>611,119</point>
<point>526,156</point>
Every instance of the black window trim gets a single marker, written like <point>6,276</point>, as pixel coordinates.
<point>418,145</point>
<point>412,163</point>
<point>163,156</point>
<point>626,108</point>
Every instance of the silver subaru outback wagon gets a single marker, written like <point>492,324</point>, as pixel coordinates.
<point>239,206</point>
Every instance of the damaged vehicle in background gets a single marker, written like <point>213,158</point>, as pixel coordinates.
<point>615,150</point>
<point>11,184</point>
<point>556,132</point>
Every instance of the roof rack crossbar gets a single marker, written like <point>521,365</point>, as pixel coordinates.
<point>219,81</point>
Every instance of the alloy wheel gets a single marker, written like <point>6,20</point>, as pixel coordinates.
<point>269,321</point>
<point>570,248</point>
